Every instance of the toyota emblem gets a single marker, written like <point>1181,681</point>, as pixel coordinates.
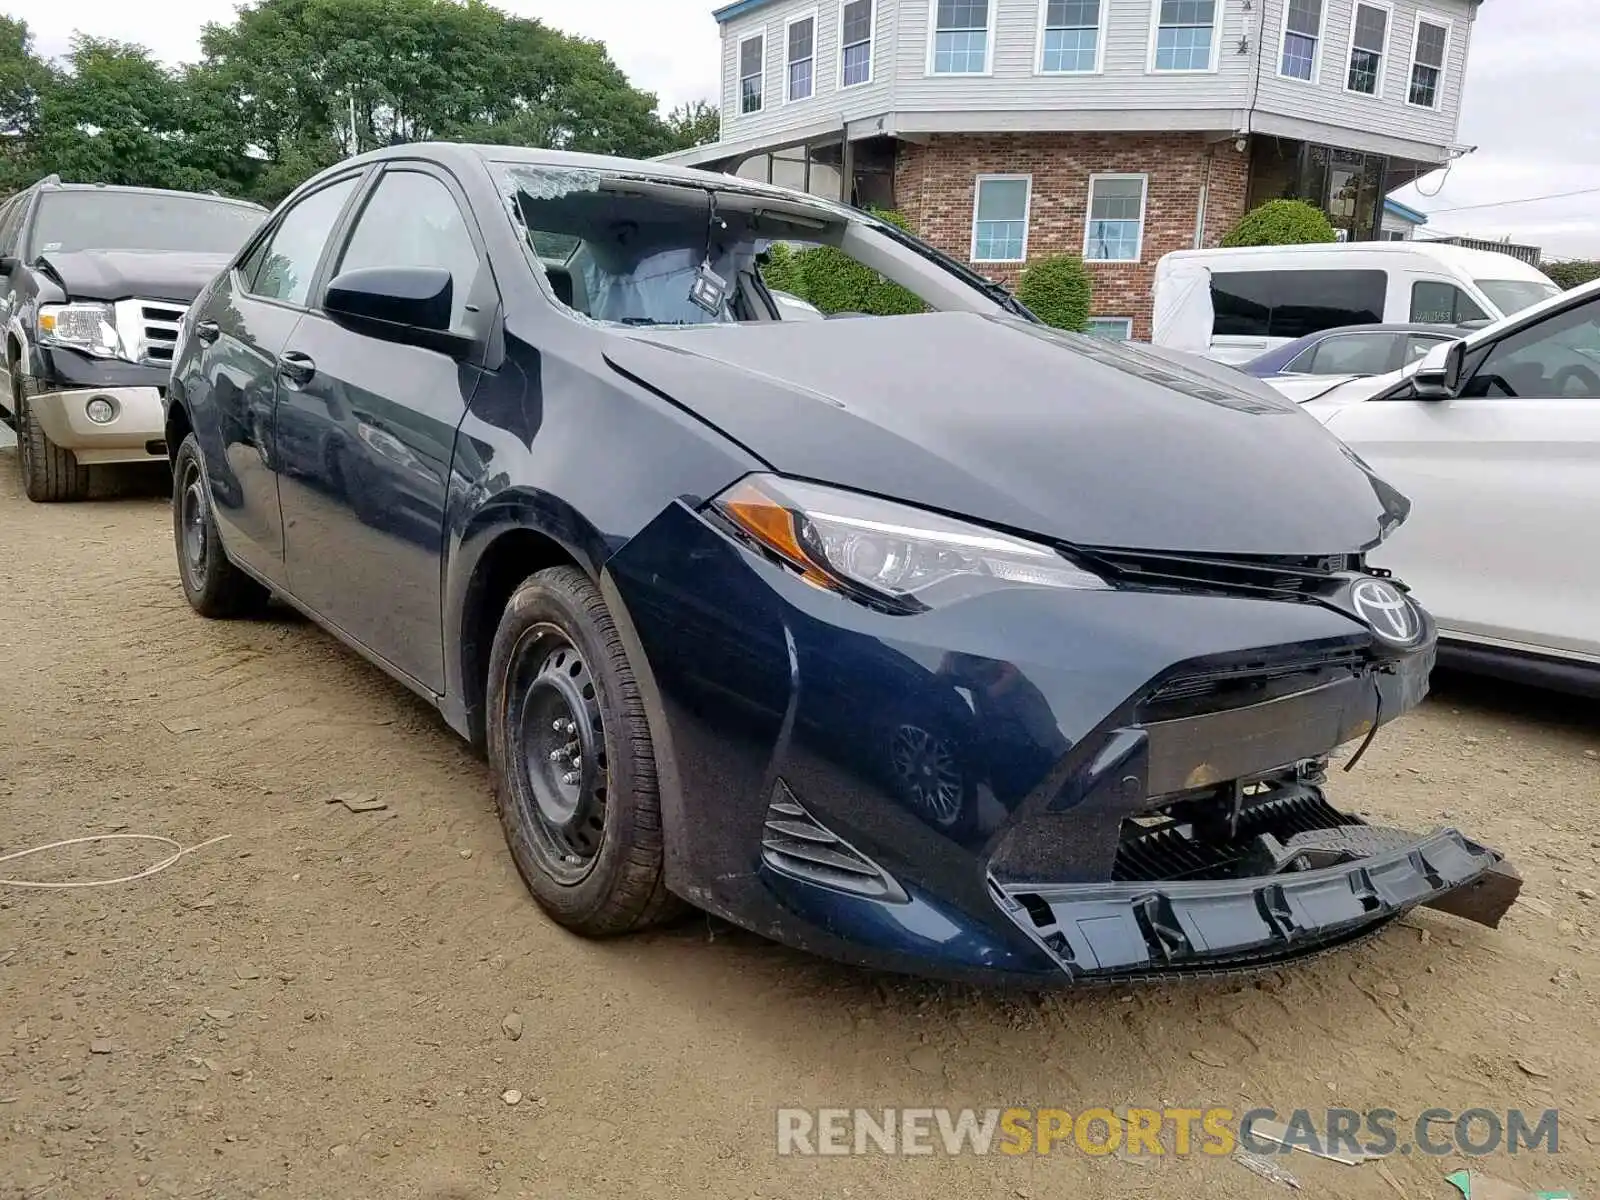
<point>1386,610</point>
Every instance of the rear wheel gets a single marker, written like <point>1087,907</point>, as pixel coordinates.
<point>213,585</point>
<point>573,765</point>
<point>50,473</point>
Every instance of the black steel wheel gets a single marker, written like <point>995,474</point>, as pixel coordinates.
<point>213,586</point>
<point>573,765</point>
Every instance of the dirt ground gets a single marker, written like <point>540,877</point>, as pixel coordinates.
<point>314,1007</point>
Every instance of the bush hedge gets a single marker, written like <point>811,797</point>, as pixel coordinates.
<point>835,282</point>
<point>1281,223</point>
<point>1058,290</point>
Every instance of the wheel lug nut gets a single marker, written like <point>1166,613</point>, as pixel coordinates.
<point>557,755</point>
<point>570,777</point>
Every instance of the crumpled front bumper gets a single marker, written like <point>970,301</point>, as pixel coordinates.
<point>1123,931</point>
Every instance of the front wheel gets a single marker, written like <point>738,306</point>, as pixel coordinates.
<point>213,585</point>
<point>50,473</point>
<point>574,769</point>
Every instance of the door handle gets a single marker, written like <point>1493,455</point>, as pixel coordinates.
<point>296,367</point>
<point>208,331</point>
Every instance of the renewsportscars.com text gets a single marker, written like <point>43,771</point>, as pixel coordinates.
<point>1216,1131</point>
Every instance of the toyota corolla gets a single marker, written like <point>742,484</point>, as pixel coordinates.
<point>941,641</point>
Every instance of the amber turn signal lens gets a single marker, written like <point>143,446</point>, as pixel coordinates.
<point>771,524</point>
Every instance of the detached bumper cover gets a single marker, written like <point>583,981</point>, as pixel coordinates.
<point>1133,930</point>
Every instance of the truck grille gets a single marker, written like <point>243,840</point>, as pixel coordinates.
<point>149,328</point>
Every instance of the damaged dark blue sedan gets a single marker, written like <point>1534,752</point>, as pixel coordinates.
<point>944,641</point>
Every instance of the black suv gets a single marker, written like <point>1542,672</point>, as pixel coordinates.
<point>93,283</point>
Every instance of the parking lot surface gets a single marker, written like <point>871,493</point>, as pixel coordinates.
<point>324,1004</point>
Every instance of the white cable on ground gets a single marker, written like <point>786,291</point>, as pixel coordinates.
<point>177,853</point>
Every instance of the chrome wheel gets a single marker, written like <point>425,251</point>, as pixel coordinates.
<point>928,773</point>
<point>557,736</point>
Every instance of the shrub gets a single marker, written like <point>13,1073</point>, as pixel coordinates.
<point>1568,275</point>
<point>1281,223</point>
<point>835,282</point>
<point>1057,290</point>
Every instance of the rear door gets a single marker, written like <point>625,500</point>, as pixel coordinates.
<point>1505,487</point>
<point>233,380</point>
<point>366,477</point>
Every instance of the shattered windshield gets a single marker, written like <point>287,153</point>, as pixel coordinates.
<point>644,251</point>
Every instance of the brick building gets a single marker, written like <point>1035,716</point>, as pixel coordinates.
<point>1118,130</point>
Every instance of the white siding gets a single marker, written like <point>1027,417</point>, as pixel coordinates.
<point>1125,83</point>
<point>1328,103</point>
<point>828,103</point>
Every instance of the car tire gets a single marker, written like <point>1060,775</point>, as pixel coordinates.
<point>573,765</point>
<point>213,586</point>
<point>51,474</point>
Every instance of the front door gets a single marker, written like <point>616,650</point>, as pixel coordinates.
<point>364,484</point>
<point>1504,482</point>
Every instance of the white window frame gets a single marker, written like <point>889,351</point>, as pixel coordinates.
<point>1027,214</point>
<point>1125,322</point>
<point>1099,44</point>
<point>1144,216</point>
<point>801,18</point>
<point>933,41</point>
<point>872,46</point>
<point>1316,56</point>
<point>739,76</point>
<point>1217,16</point>
<point>1449,27</point>
<point>1388,41</point>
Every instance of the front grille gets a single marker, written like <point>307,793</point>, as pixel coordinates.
<point>796,844</point>
<point>149,329</point>
<point>1252,683</point>
<point>1175,850</point>
<point>1269,575</point>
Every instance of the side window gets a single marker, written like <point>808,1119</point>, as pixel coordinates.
<point>1418,345</point>
<point>412,220</point>
<point>10,222</point>
<point>1294,304</point>
<point>1556,358</point>
<point>289,257</point>
<point>1437,303</point>
<point>1353,354</point>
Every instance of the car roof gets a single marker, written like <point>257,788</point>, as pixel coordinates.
<point>1464,257</point>
<point>55,185</point>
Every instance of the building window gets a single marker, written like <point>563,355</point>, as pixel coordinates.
<point>961,37</point>
<point>752,66</point>
<point>1369,47</point>
<point>1427,62</point>
<point>1113,329</point>
<point>1185,31</point>
<point>1392,235</point>
<point>855,41</point>
<point>1071,40</point>
<point>1302,34</point>
<point>800,38</point>
<point>1116,218</point>
<point>1000,218</point>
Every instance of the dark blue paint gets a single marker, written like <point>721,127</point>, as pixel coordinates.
<point>379,484</point>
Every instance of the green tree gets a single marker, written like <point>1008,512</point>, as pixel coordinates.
<point>696,124</point>
<point>23,79</point>
<point>1281,223</point>
<point>1571,274</point>
<point>1057,290</point>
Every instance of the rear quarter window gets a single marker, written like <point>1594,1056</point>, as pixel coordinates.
<point>1293,304</point>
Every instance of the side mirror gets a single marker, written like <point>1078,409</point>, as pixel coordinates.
<point>1442,373</point>
<point>409,305</point>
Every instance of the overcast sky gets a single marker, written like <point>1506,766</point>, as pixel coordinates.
<point>1530,100</point>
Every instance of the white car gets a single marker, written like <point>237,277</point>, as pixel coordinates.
<point>1496,441</point>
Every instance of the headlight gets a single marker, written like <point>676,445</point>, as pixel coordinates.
<point>91,328</point>
<point>889,552</point>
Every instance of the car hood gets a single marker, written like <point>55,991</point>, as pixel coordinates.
<point>124,274</point>
<point>1063,436</point>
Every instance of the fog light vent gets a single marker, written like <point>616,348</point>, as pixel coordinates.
<point>795,843</point>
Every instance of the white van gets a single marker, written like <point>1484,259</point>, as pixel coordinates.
<point>1232,305</point>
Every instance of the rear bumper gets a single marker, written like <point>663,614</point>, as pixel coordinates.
<point>135,432</point>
